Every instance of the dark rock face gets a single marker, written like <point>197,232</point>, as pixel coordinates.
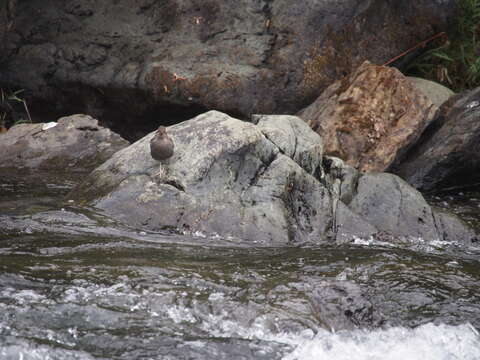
<point>266,183</point>
<point>73,143</point>
<point>7,20</point>
<point>147,59</point>
<point>447,154</point>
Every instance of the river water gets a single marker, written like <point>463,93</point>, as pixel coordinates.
<point>76,285</point>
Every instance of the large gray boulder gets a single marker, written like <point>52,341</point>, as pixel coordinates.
<point>265,183</point>
<point>73,143</point>
<point>447,154</point>
<point>226,177</point>
<point>172,57</point>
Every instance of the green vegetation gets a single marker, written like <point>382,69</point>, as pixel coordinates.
<point>456,61</point>
<point>10,114</point>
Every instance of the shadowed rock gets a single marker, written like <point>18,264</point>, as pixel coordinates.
<point>447,154</point>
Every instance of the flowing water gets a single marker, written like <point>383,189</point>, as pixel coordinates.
<point>76,285</point>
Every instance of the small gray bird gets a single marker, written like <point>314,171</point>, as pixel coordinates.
<point>161,145</point>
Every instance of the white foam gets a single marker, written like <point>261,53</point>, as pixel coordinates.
<point>426,342</point>
<point>26,351</point>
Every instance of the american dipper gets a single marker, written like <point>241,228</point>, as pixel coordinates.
<point>161,145</point>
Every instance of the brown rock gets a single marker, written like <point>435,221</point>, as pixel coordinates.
<point>371,117</point>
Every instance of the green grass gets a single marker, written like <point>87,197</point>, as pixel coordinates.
<point>10,113</point>
<point>455,62</point>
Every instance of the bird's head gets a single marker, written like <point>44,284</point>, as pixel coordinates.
<point>161,131</point>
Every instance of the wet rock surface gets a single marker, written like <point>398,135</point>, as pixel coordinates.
<point>447,153</point>
<point>75,142</point>
<point>371,117</point>
<point>183,57</point>
<point>266,183</point>
<point>342,305</point>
